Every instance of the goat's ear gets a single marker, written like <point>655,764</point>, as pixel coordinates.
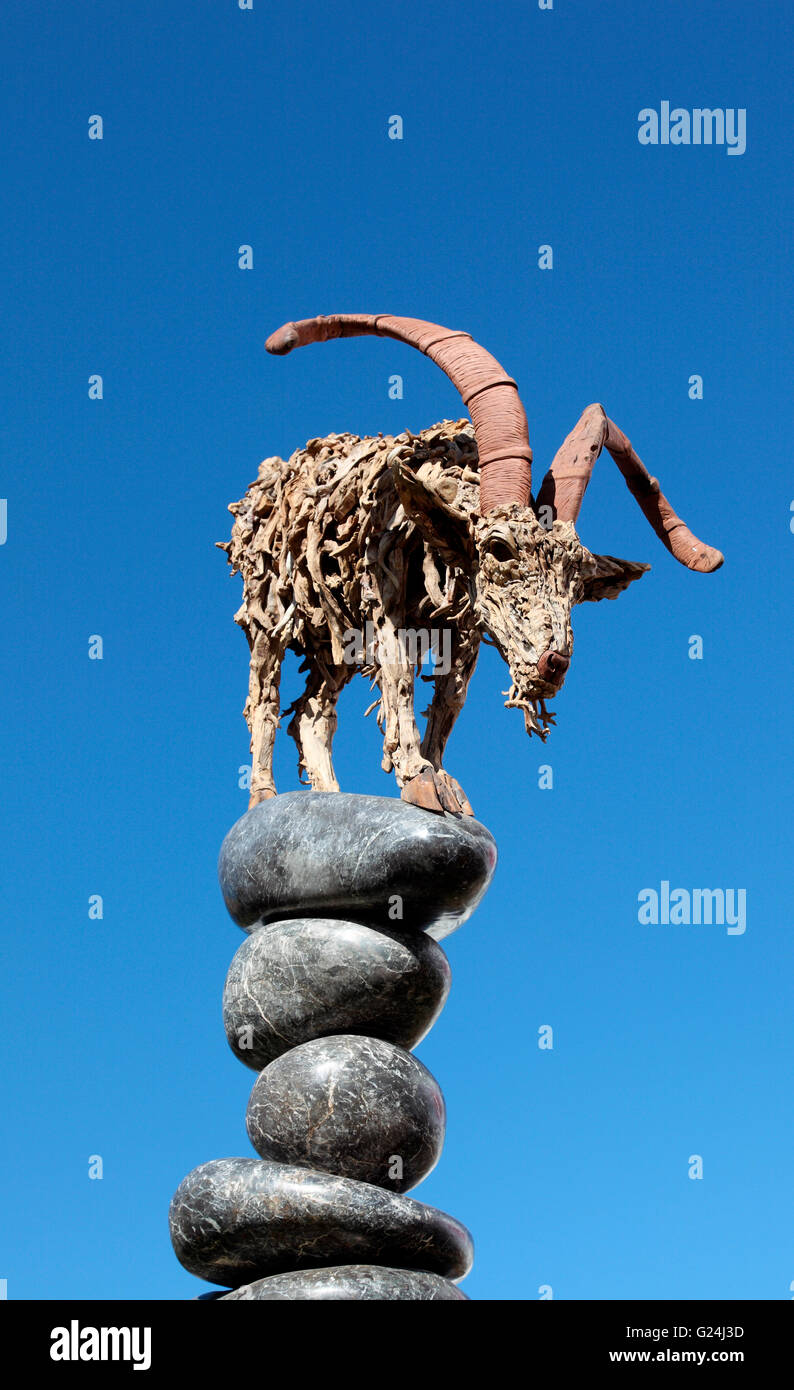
<point>606,577</point>
<point>432,496</point>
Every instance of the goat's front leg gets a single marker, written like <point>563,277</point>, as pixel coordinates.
<point>402,749</point>
<point>314,723</point>
<point>449,695</point>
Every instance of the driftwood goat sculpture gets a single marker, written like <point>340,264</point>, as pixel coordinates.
<point>354,549</point>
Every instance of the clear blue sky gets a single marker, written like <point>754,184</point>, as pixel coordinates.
<point>225,127</point>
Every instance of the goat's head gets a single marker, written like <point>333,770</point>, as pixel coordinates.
<point>528,579</point>
<point>528,565</point>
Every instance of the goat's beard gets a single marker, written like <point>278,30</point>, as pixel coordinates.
<point>511,627</point>
<point>537,719</point>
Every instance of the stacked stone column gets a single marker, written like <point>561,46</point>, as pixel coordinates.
<point>345,898</point>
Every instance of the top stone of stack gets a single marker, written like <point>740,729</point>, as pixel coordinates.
<point>370,859</point>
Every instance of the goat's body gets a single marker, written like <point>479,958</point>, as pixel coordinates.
<point>326,551</point>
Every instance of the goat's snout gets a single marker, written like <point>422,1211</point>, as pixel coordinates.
<point>552,667</point>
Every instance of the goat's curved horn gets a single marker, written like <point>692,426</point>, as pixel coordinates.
<point>564,485</point>
<point>489,394</point>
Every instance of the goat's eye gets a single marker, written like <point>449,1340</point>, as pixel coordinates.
<point>500,551</point>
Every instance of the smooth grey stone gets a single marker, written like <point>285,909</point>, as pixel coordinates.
<point>335,854</point>
<point>354,1106</point>
<point>293,981</point>
<point>234,1220</point>
<point>351,1283</point>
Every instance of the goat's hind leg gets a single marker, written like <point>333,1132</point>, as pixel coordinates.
<point>313,724</point>
<point>262,714</point>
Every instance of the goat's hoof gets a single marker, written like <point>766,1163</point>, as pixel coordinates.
<point>422,791</point>
<point>455,793</point>
<point>436,791</point>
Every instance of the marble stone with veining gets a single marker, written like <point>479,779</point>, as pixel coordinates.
<point>365,858</point>
<point>308,977</point>
<point>355,1106</point>
<point>350,1283</point>
<point>236,1220</point>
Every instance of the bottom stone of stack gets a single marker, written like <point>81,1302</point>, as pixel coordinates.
<point>239,1220</point>
<point>351,1283</point>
